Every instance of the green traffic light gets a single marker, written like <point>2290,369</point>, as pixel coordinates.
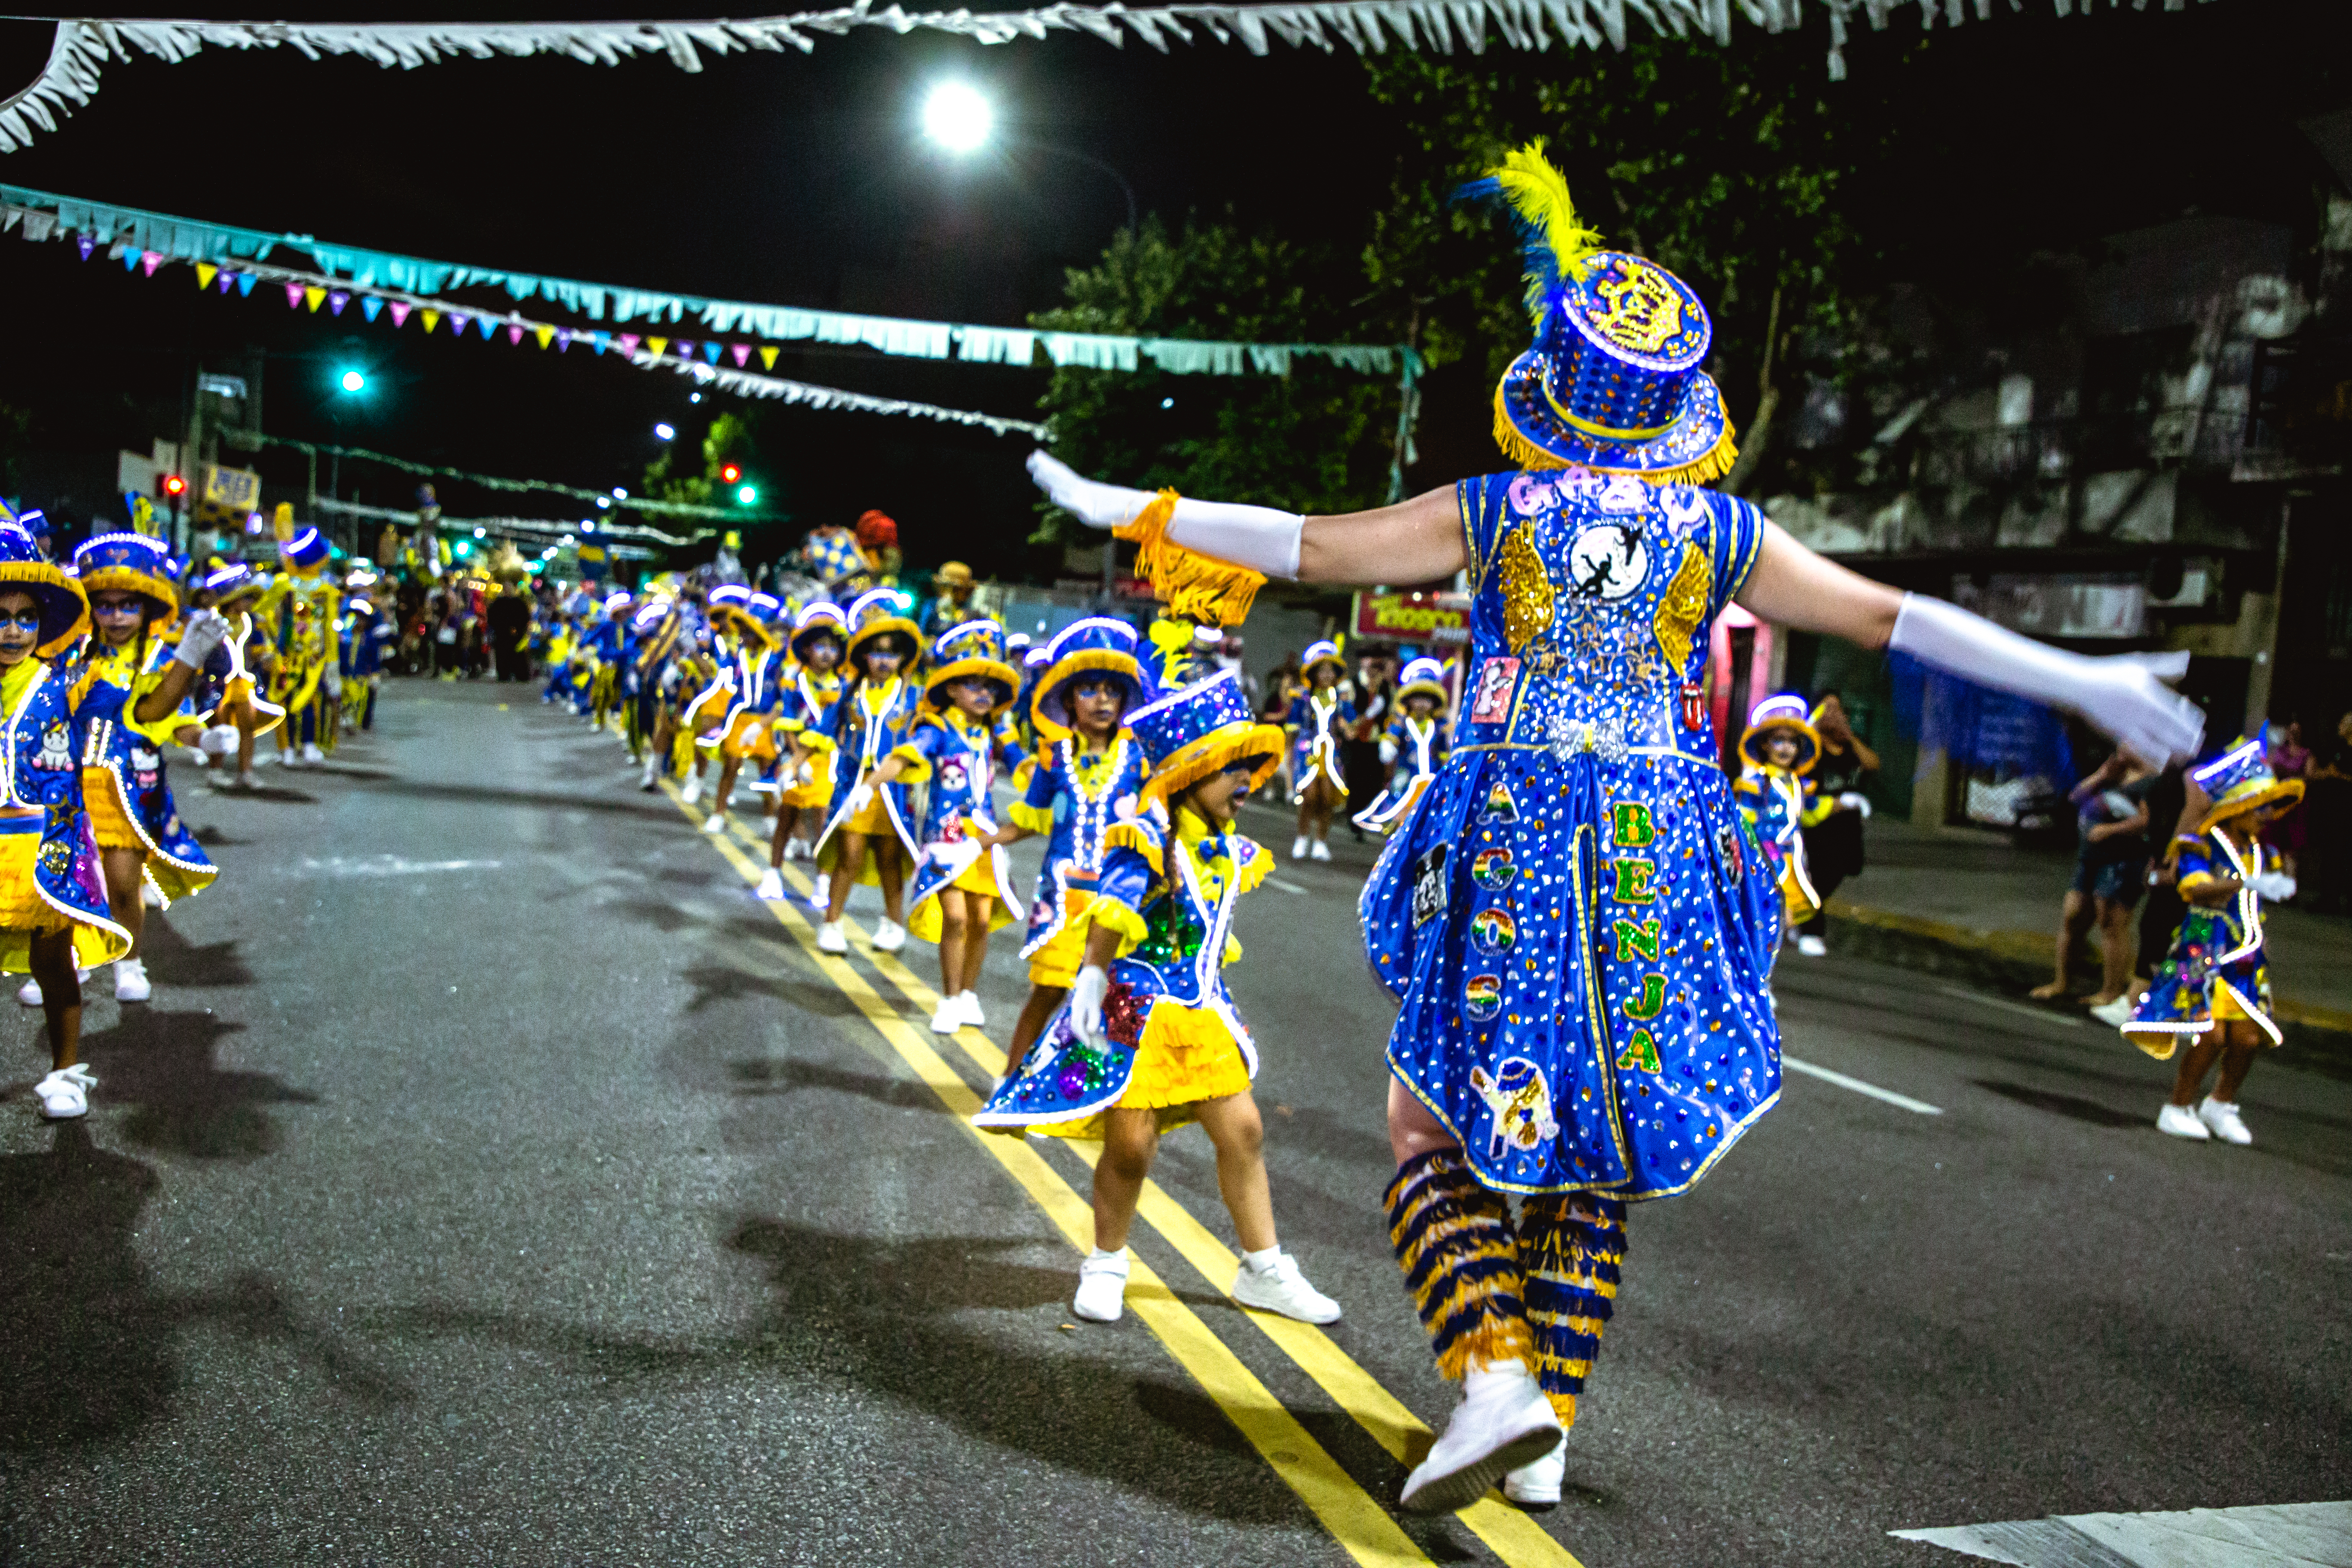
<point>747,494</point>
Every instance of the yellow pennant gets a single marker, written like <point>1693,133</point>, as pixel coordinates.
<point>432,319</point>
<point>205,273</point>
<point>545,335</point>
<point>657,345</point>
<point>316,297</point>
<point>768,356</point>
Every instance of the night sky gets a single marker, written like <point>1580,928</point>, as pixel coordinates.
<point>800,180</point>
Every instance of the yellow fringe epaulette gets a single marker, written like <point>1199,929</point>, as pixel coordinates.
<point>1140,835</point>
<point>1195,587</point>
<point>1108,911</point>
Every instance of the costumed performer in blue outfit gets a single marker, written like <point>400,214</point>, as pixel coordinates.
<point>867,723</point>
<point>1573,917</point>
<point>1413,745</point>
<point>1319,782</point>
<point>1777,801</point>
<point>54,920</point>
<point>2214,986</point>
<point>1151,1038</point>
<point>963,879</point>
<point>811,684</point>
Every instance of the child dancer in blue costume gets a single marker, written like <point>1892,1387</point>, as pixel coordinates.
<point>811,684</point>
<point>876,710</point>
<point>1086,775</point>
<point>134,597</point>
<point>1151,1038</point>
<point>1778,804</point>
<point>1318,784</point>
<point>1414,745</point>
<point>54,919</point>
<point>963,879</point>
<point>756,681</point>
<point>2214,987</point>
<point>704,717</point>
<point>1572,917</point>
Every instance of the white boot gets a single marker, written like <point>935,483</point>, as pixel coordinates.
<point>1321,851</point>
<point>715,823</point>
<point>829,938</point>
<point>772,887</point>
<point>889,936</point>
<point>821,896</point>
<point>1536,1485</point>
<point>693,790</point>
<point>1503,1422</point>
<point>1102,1288</point>
<point>1298,848</point>
<point>130,981</point>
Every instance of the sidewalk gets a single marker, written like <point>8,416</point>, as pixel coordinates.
<point>1965,901</point>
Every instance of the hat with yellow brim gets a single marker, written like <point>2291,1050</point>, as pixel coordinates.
<point>1322,653</point>
<point>1422,678</point>
<point>971,650</point>
<point>1784,714</point>
<point>1099,646</point>
<point>130,563</point>
<point>874,614</point>
<point>64,609</point>
<point>1204,729</point>
<point>2239,781</point>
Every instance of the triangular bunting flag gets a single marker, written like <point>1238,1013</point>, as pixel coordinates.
<point>245,282</point>
<point>150,260</point>
<point>629,341</point>
<point>432,319</point>
<point>657,345</point>
<point>711,351</point>
<point>129,259</point>
<point>205,273</point>
<point>457,320</point>
<point>337,300</point>
<point>370,306</point>
<point>293,296</point>
<point>545,335</point>
<point>742,353</point>
<point>514,335</point>
<point>563,339</point>
<point>768,356</point>
<point>600,342</point>
<point>400,308</point>
<point>686,348</point>
<point>315,296</point>
<point>86,245</point>
<point>487,328</point>
<point>239,279</point>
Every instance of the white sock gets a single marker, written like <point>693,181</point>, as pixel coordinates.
<point>1097,1255</point>
<point>1258,1262</point>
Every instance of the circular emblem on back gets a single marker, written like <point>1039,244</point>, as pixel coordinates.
<point>1608,561</point>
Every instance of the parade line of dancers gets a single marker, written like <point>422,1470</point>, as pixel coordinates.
<point>1575,909</point>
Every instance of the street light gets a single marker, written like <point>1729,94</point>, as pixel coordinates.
<point>664,432</point>
<point>956,118</point>
<point>354,381</point>
<point>747,494</point>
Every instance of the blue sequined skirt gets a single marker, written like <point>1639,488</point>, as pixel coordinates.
<point>1582,948</point>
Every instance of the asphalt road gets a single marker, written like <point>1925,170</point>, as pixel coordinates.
<point>494,1180</point>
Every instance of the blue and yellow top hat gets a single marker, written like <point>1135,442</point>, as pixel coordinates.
<point>595,564</point>
<point>305,551</point>
<point>1785,712</point>
<point>831,557</point>
<point>1422,678</point>
<point>728,606</point>
<point>65,612</point>
<point>971,650</point>
<point>1201,729</point>
<point>134,564</point>
<point>1324,652</point>
<point>874,615</point>
<point>767,613</point>
<point>1100,646</point>
<point>823,619</point>
<point>1612,379</point>
<point>2239,781</point>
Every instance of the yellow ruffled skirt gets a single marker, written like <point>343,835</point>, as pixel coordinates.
<point>1186,1056</point>
<point>109,823</point>
<point>1056,964</point>
<point>25,914</point>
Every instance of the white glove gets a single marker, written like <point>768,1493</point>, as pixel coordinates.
<point>860,798</point>
<point>220,741</point>
<point>204,634</point>
<point>2275,885</point>
<point>331,682</point>
<point>1388,753</point>
<point>1087,1006</point>
<point>1855,802</point>
<point>1258,537</point>
<point>2124,697</point>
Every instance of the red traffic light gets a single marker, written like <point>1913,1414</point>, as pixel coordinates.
<point>173,485</point>
<point>731,473</point>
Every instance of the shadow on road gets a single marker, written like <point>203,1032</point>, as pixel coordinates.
<point>2072,1105</point>
<point>628,803</point>
<point>791,1076</point>
<point>723,982</point>
<point>171,960</point>
<point>182,1101</point>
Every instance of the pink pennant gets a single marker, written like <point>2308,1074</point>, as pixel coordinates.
<point>400,308</point>
<point>457,320</point>
<point>148,260</point>
<point>337,300</point>
<point>514,335</point>
<point>86,245</point>
<point>293,296</point>
<point>629,341</point>
<point>742,353</point>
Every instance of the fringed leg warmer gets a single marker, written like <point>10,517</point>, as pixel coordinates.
<point>1571,1245</point>
<point>1461,1262</point>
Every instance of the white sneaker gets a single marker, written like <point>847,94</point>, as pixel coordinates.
<point>1503,1422</point>
<point>289,759</point>
<point>1283,1289</point>
<point>772,887</point>
<point>822,894</point>
<point>889,936</point>
<point>64,1093</point>
<point>1321,851</point>
<point>1102,1288</point>
<point>968,1003</point>
<point>312,755</point>
<point>2115,1014</point>
<point>246,781</point>
<point>646,781</point>
<point>29,994</point>
<point>130,981</point>
<point>715,823</point>
<point>1536,1485</point>
<point>1812,947</point>
<point>829,938</point>
<point>693,790</point>
<point>795,850</point>
<point>2223,1119</point>
<point>2181,1122</point>
<point>1298,848</point>
<point>948,1018</point>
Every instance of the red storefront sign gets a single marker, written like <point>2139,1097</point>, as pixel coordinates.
<point>1442,619</point>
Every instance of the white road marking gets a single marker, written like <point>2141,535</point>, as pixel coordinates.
<point>1978,997</point>
<point>1285,886</point>
<point>1855,1084</point>
<point>2291,1535</point>
<point>394,866</point>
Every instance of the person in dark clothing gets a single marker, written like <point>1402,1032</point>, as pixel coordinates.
<point>2327,814</point>
<point>1834,845</point>
<point>509,617</point>
<point>2110,875</point>
<point>2169,807</point>
<point>1359,753</point>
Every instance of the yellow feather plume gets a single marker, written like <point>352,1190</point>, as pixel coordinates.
<point>1537,192</point>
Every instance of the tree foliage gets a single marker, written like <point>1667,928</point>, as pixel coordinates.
<point>730,439</point>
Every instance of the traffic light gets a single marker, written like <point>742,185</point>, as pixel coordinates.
<point>732,472</point>
<point>747,494</point>
<point>175,486</point>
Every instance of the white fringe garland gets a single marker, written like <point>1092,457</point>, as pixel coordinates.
<point>84,44</point>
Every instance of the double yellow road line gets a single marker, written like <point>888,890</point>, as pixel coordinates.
<point>1363,1527</point>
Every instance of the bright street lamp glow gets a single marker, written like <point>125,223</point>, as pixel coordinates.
<point>747,494</point>
<point>481,533</point>
<point>956,118</point>
<point>603,503</point>
<point>664,432</point>
<point>619,494</point>
<point>354,381</point>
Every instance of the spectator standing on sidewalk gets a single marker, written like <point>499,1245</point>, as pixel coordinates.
<point>2110,873</point>
<point>1834,845</point>
<point>1359,756</point>
<point>2289,758</point>
<point>2327,805</point>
